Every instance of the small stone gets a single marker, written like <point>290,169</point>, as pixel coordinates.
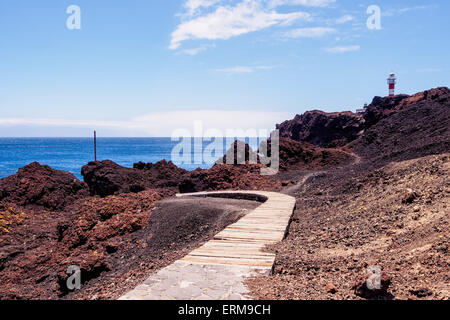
<point>416,209</point>
<point>421,292</point>
<point>369,284</point>
<point>409,196</point>
<point>331,288</point>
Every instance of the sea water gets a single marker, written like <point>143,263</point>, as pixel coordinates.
<point>70,154</point>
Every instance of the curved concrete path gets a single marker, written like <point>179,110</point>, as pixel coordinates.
<point>217,270</point>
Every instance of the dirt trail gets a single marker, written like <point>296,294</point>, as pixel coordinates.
<point>292,189</point>
<point>395,216</point>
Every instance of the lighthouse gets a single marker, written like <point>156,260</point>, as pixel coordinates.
<point>391,82</point>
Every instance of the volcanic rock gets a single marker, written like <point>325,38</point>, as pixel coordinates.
<point>296,155</point>
<point>409,196</point>
<point>422,292</point>
<point>362,289</point>
<point>413,127</point>
<point>41,185</point>
<point>228,177</point>
<point>383,107</point>
<point>323,129</point>
<point>108,178</point>
<point>331,288</point>
<point>239,153</point>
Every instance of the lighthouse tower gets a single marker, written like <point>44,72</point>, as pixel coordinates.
<point>392,80</point>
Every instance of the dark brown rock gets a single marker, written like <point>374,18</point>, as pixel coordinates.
<point>41,185</point>
<point>227,177</point>
<point>323,129</point>
<point>239,153</point>
<point>409,196</point>
<point>296,155</point>
<point>383,107</point>
<point>416,126</point>
<point>368,285</point>
<point>421,292</point>
<point>331,288</point>
<point>108,178</point>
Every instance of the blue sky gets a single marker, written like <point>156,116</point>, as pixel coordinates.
<point>146,68</point>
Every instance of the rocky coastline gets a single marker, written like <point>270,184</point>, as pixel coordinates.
<point>50,220</point>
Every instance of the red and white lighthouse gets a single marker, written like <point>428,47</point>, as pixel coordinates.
<point>392,80</point>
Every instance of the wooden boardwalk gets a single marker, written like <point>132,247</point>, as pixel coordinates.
<point>218,269</point>
<point>243,242</point>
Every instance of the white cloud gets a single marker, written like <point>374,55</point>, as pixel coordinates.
<point>243,69</point>
<point>343,49</point>
<point>393,12</point>
<point>309,32</point>
<point>193,51</point>
<point>230,21</point>
<point>193,6</point>
<point>162,123</point>
<point>345,19</point>
<point>196,50</point>
<point>306,3</point>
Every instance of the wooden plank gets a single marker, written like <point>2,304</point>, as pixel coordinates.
<point>259,256</point>
<point>243,242</point>
<point>246,262</point>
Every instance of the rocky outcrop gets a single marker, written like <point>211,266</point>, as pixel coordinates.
<point>323,129</point>
<point>99,230</point>
<point>239,153</point>
<point>330,130</point>
<point>41,185</point>
<point>35,253</point>
<point>108,178</point>
<point>370,284</point>
<point>227,177</point>
<point>412,127</point>
<point>296,155</point>
<point>383,107</point>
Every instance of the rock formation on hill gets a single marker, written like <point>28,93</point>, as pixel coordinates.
<point>293,155</point>
<point>228,177</point>
<point>416,126</point>
<point>383,107</point>
<point>239,153</point>
<point>296,155</point>
<point>327,130</point>
<point>330,130</point>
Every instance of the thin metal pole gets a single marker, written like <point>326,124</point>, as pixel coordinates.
<point>95,145</point>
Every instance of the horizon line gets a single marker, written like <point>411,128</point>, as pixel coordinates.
<point>128,137</point>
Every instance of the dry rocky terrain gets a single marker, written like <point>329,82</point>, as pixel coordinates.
<point>390,209</point>
<point>372,193</point>
<point>396,217</point>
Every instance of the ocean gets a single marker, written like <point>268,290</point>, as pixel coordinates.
<point>70,154</point>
